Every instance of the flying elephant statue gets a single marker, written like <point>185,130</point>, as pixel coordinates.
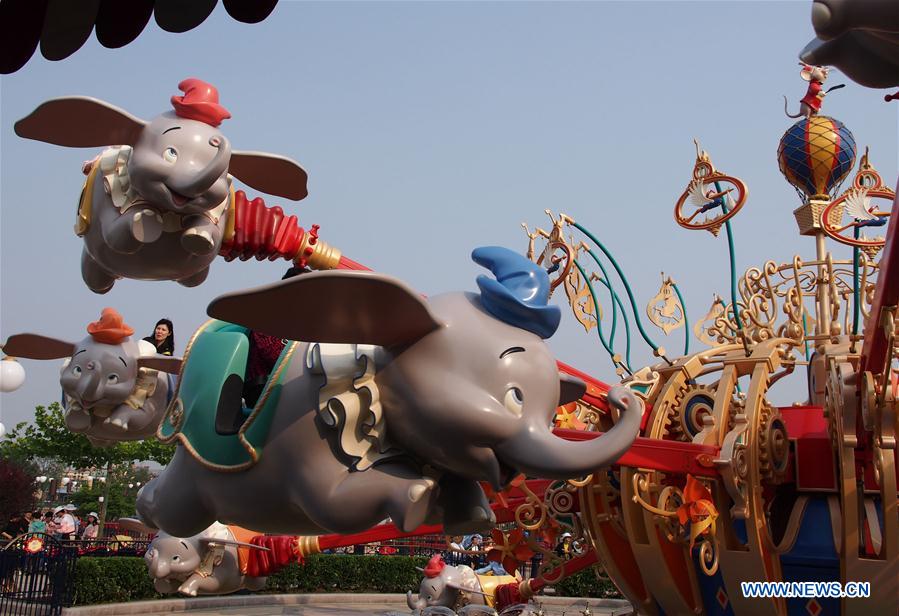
<point>159,203</point>
<point>213,562</point>
<point>401,406</point>
<point>859,37</point>
<point>116,389</point>
<point>455,587</point>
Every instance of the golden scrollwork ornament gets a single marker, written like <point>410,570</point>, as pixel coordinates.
<point>665,310</point>
<point>557,256</point>
<point>702,326</point>
<point>584,305</point>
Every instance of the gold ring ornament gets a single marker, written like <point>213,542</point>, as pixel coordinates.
<point>710,191</point>
<point>856,203</point>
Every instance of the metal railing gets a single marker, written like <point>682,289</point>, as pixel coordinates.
<point>36,576</point>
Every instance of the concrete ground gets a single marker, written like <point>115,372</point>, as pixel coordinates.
<point>320,605</point>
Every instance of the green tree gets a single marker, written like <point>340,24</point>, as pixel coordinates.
<point>119,492</point>
<point>48,438</point>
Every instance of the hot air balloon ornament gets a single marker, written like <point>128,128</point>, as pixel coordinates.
<point>857,204</point>
<point>815,155</point>
<point>716,197</point>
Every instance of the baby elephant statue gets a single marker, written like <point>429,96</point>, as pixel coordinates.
<point>115,388</point>
<point>213,562</point>
<point>400,409</point>
<point>156,206</point>
<point>455,587</point>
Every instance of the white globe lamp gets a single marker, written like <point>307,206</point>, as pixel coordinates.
<point>12,374</point>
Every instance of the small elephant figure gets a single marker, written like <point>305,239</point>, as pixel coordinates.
<point>156,206</point>
<point>432,397</point>
<point>115,388</point>
<point>210,563</point>
<point>454,587</point>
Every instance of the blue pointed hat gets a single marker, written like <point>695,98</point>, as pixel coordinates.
<point>520,293</point>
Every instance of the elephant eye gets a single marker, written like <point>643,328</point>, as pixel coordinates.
<point>514,400</point>
<point>76,370</point>
<point>170,155</point>
<point>113,379</point>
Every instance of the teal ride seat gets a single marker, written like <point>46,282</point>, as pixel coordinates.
<point>215,359</point>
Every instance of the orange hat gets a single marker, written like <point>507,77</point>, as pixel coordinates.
<point>110,329</point>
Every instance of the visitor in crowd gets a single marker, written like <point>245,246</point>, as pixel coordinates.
<point>491,566</point>
<point>454,557</point>
<point>474,543</point>
<point>65,523</point>
<point>565,548</point>
<point>163,337</point>
<point>92,528</point>
<point>49,523</point>
<point>57,521</point>
<point>37,524</point>
<point>70,509</point>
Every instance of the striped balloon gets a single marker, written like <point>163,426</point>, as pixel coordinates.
<point>816,154</point>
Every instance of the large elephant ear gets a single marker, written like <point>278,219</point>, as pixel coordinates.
<point>163,363</point>
<point>35,346</point>
<point>270,173</point>
<point>463,588</point>
<point>333,306</point>
<point>135,525</point>
<point>571,388</point>
<point>80,122</point>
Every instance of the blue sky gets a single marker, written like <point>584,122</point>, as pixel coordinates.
<point>428,129</point>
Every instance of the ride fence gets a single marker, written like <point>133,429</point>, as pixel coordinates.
<point>107,547</point>
<point>112,531</point>
<point>36,576</point>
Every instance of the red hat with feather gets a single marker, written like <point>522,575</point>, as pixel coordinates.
<point>200,102</point>
<point>435,566</point>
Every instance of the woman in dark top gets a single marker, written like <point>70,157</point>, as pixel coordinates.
<point>163,337</point>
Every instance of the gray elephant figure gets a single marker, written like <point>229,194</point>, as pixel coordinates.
<point>859,37</point>
<point>454,390</point>
<point>454,587</point>
<point>209,563</point>
<point>156,206</point>
<point>116,388</point>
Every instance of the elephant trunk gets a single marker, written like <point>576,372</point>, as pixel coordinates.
<point>200,182</point>
<point>91,387</point>
<point>831,19</point>
<point>539,453</point>
<point>160,569</point>
<point>414,604</point>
